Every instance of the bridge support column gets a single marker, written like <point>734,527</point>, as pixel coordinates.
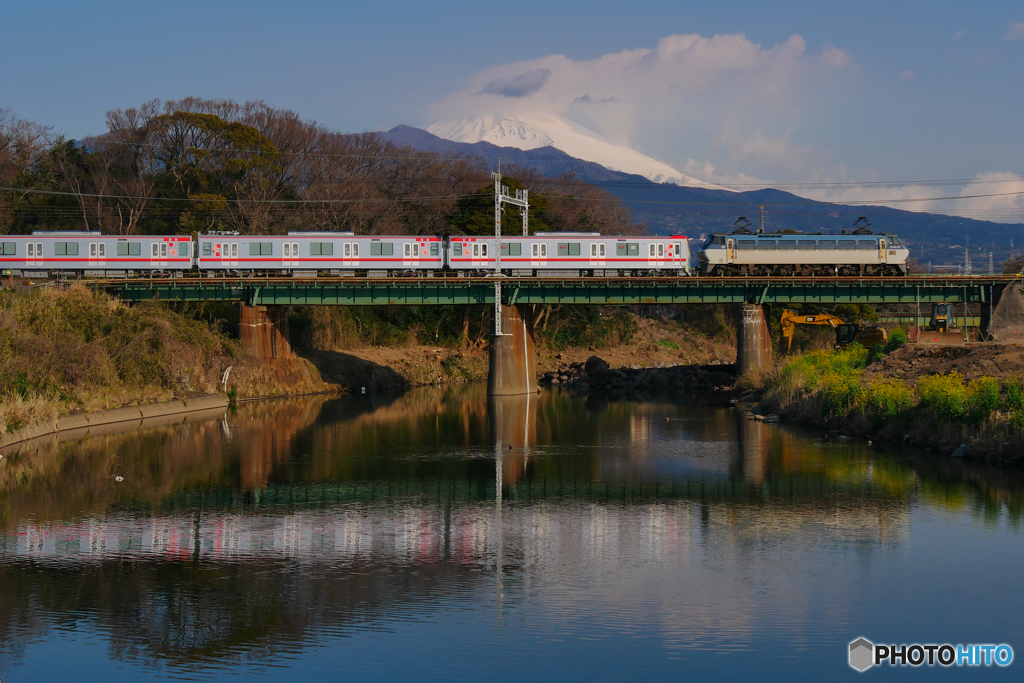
<point>753,345</point>
<point>513,362</point>
<point>263,330</point>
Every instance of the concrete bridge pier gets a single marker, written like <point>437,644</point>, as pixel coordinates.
<point>263,330</point>
<point>753,345</point>
<point>513,362</point>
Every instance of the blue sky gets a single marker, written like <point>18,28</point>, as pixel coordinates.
<point>925,89</point>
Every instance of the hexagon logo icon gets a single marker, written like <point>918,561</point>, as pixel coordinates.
<point>862,654</point>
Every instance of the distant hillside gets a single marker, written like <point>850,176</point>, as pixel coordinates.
<point>669,209</point>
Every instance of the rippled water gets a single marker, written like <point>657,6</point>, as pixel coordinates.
<point>436,536</point>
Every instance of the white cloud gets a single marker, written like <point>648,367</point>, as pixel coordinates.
<point>833,56</point>
<point>992,196</point>
<point>647,99</point>
<point>908,73</point>
<point>1016,31</point>
<point>958,35</point>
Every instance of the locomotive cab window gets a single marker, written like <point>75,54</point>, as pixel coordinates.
<point>434,249</point>
<point>207,249</point>
<point>456,250</point>
<point>182,248</point>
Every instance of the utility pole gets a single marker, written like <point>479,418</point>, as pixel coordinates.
<point>967,262</point>
<point>991,268</point>
<point>501,196</point>
<point>762,221</point>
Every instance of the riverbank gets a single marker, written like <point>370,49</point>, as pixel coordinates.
<point>966,401</point>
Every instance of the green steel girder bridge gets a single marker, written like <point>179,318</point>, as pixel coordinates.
<point>417,291</point>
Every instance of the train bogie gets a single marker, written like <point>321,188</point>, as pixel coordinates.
<point>800,254</point>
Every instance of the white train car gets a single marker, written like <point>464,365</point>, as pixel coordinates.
<point>307,253</point>
<point>92,253</point>
<point>799,254</point>
<point>571,254</point>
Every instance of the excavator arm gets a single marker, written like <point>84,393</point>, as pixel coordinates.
<point>790,319</point>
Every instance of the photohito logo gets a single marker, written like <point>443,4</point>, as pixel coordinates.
<point>864,654</point>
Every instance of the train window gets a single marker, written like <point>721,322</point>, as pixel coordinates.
<point>375,249</point>
<point>808,245</point>
<point>866,245</point>
<point>787,245</point>
<point>568,248</point>
<point>7,249</point>
<point>182,248</point>
<point>129,249</point>
<point>633,249</point>
<point>207,249</point>
<point>434,249</point>
<point>261,248</point>
<point>65,248</point>
<point>720,239</point>
<point>766,245</point>
<point>456,250</point>
<point>620,249</point>
<point>826,245</point>
<point>746,245</point>
<point>847,245</point>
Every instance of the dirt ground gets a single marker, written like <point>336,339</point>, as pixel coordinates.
<point>973,360</point>
<point>399,367</point>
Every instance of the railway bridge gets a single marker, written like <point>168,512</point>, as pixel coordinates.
<point>263,302</point>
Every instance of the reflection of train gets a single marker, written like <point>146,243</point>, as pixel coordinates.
<point>747,253</point>
<point>343,253</point>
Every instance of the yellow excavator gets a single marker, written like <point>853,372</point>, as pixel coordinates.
<point>846,333</point>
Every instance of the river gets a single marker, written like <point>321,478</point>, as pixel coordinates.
<point>437,536</point>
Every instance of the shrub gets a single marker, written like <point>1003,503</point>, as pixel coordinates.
<point>889,398</point>
<point>875,353</point>
<point>668,344</point>
<point>982,398</point>
<point>1014,388</point>
<point>944,395</point>
<point>1017,420</point>
<point>897,338</point>
<point>839,392</point>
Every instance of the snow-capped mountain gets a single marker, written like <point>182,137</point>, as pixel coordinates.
<point>549,130</point>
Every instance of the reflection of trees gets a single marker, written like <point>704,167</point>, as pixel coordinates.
<point>179,614</point>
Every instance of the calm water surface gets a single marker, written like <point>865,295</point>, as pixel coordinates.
<point>436,536</point>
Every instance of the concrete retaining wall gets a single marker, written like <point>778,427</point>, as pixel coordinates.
<point>86,421</point>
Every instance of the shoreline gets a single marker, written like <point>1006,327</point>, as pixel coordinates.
<point>87,421</point>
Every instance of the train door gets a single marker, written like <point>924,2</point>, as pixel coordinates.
<point>598,254</point>
<point>158,253</point>
<point>350,253</point>
<point>538,254</point>
<point>883,249</point>
<point>479,254</point>
<point>411,254</point>
<point>290,254</point>
<point>97,254</point>
<point>35,253</point>
<point>228,253</point>
<point>730,250</point>
<point>679,254</point>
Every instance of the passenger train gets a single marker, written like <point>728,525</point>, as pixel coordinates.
<point>308,254</point>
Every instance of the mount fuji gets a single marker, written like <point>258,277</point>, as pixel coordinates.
<point>537,130</point>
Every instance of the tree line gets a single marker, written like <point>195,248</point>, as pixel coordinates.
<point>191,165</point>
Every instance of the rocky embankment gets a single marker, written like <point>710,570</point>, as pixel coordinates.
<point>681,381</point>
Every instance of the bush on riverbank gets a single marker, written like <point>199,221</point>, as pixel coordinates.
<point>62,350</point>
<point>942,409</point>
